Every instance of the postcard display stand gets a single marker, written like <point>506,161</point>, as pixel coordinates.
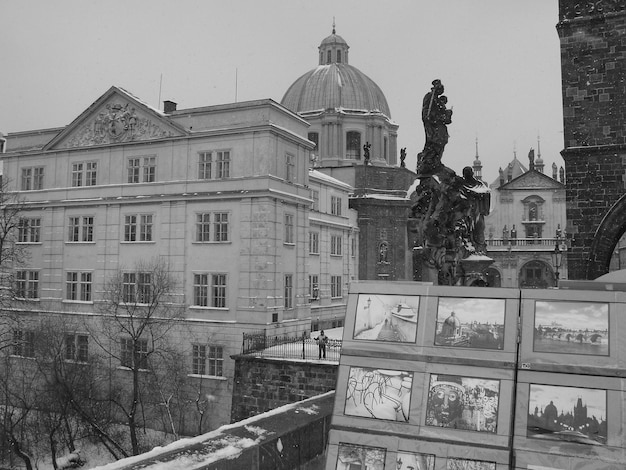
<point>451,378</point>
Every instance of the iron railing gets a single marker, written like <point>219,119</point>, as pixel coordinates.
<point>289,347</point>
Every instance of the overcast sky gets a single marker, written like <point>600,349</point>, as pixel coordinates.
<point>498,60</point>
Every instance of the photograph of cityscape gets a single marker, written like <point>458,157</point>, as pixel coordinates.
<point>415,461</point>
<point>470,323</point>
<point>571,327</point>
<point>567,413</point>
<point>386,318</point>
<point>352,457</point>
<point>463,403</point>
<point>466,464</point>
<point>379,393</point>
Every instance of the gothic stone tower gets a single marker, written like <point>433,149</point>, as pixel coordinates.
<point>593,53</point>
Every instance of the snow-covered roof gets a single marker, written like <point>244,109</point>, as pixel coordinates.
<point>316,174</point>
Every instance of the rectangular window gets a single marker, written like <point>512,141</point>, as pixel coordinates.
<point>222,169</point>
<point>76,347</point>
<point>353,247</point>
<point>209,290</point>
<point>314,243</point>
<point>24,343</point>
<point>289,228</point>
<point>27,284</point>
<point>129,287</point>
<point>77,174</point>
<point>78,286</point>
<point>315,195</point>
<point>145,228</point>
<point>149,169</point>
<point>144,288</point>
<point>91,173</point>
<point>219,290</point>
<point>336,245</point>
<point>27,179</point>
<point>216,361</point>
<point>198,359</point>
<point>29,230</point>
<point>289,168</point>
<point>335,287</point>
<point>38,177</point>
<point>204,165</point>
<point>133,170</point>
<point>128,352</point>
<point>220,226</point>
<point>207,360</point>
<point>84,173</point>
<point>288,291</point>
<point>314,287</point>
<point>221,160</point>
<point>203,224</point>
<point>80,229</point>
<point>335,205</point>
<point>138,227</point>
<point>32,178</point>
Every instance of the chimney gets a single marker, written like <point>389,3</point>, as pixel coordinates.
<point>169,106</point>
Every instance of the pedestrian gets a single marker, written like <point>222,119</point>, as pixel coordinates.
<point>322,340</point>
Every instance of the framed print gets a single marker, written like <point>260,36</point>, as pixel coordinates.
<point>415,461</point>
<point>571,327</point>
<point>355,457</point>
<point>467,464</point>
<point>567,413</point>
<point>379,393</point>
<point>470,323</point>
<point>386,318</point>
<point>463,403</point>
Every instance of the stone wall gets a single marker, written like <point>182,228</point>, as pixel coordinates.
<point>593,53</point>
<point>263,384</point>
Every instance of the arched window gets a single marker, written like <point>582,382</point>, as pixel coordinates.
<point>329,57</point>
<point>339,56</point>
<point>353,145</point>
<point>535,275</point>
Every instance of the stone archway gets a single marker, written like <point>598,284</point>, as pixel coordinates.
<point>608,233</point>
<point>494,278</point>
<point>536,274</point>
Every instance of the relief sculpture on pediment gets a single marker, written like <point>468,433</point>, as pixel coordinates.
<point>116,123</point>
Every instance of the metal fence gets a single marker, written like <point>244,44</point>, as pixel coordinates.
<point>289,347</point>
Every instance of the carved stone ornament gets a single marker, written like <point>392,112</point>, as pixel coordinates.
<point>570,10</point>
<point>116,123</point>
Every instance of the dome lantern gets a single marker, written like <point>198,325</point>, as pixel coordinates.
<point>333,49</point>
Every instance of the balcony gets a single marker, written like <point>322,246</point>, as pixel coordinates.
<point>525,244</point>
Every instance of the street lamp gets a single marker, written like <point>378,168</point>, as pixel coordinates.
<point>557,257</point>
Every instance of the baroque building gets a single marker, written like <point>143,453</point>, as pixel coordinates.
<point>356,142</point>
<point>223,195</point>
<point>526,225</point>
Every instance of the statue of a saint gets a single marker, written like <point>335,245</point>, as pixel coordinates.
<point>436,118</point>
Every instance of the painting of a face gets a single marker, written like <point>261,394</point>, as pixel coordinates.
<point>446,402</point>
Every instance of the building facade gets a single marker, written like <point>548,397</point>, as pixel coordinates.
<point>222,195</point>
<point>525,225</point>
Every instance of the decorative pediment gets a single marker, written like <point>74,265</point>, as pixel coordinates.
<point>116,117</point>
<point>532,180</point>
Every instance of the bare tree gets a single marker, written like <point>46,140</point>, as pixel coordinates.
<point>138,314</point>
<point>13,225</point>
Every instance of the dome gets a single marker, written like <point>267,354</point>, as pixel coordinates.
<point>335,84</point>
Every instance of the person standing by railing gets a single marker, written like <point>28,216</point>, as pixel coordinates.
<point>322,340</point>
